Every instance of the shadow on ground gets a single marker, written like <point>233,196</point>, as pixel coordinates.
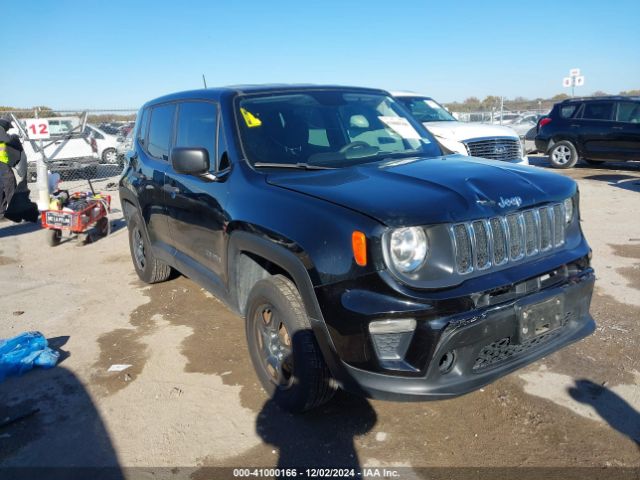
<point>50,428</point>
<point>612,408</point>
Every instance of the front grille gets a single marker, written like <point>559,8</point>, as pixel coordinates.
<point>499,148</point>
<point>481,244</point>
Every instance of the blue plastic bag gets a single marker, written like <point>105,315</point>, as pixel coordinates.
<point>19,354</point>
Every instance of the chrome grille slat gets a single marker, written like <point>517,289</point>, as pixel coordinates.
<point>498,148</point>
<point>481,244</point>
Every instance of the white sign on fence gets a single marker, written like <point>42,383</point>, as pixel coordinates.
<point>37,128</point>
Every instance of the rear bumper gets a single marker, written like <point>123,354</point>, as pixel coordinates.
<point>542,144</point>
<point>485,344</point>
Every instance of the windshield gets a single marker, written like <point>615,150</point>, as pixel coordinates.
<point>328,128</point>
<point>426,110</point>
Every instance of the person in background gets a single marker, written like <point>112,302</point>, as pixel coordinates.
<point>15,203</point>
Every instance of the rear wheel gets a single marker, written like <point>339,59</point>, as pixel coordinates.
<point>563,155</point>
<point>283,348</point>
<point>148,268</point>
<point>110,156</point>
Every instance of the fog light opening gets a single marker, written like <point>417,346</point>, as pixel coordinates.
<point>446,362</point>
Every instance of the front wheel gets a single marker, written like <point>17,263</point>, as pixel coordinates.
<point>283,348</point>
<point>54,237</point>
<point>563,155</point>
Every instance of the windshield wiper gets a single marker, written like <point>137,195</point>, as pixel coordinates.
<point>297,166</point>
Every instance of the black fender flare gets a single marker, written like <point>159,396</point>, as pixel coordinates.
<point>243,241</point>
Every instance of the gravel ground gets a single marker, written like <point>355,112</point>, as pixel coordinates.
<point>191,400</point>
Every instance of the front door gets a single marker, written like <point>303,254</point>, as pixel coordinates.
<point>195,205</point>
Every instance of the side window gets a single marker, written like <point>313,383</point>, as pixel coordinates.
<point>197,127</point>
<point>628,112</point>
<point>160,128</point>
<point>598,110</point>
<point>142,128</point>
<point>567,111</point>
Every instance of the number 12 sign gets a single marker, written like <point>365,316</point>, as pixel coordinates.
<point>37,128</point>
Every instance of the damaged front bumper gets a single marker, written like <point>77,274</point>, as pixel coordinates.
<point>476,347</point>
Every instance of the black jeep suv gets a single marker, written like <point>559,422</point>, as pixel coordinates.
<point>359,255</point>
<point>596,129</point>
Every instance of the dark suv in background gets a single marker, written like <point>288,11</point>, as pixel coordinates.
<point>597,130</point>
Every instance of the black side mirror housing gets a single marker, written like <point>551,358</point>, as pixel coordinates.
<point>190,161</point>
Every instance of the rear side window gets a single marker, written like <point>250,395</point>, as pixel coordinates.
<point>628,112</point>
<point>598,110</point>
<point>567,111</point>
<point>142,129</point>
<point>160,128</point>
<point>197,127</point>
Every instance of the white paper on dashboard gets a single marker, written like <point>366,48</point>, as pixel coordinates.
<point>401,126</point>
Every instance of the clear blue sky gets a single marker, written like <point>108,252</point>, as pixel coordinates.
<point>113,53</point>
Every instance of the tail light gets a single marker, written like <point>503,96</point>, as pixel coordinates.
<point>543,121</point>
<point>94,145</point>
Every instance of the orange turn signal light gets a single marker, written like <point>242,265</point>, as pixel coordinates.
<point>359,245</point>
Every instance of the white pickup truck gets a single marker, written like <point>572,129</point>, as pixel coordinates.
<point>494,142</point>
<point>69,151</point>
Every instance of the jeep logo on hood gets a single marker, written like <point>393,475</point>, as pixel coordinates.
<point>510,202</point>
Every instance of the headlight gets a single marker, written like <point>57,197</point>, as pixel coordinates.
<point>568,210</point>
<point>408,248</point>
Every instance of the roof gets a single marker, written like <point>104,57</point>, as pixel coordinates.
<point>232,90</point>
<point>604,97</point>
<point>406,93</point>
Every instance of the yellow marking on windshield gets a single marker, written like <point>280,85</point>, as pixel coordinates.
<point>250,119</point>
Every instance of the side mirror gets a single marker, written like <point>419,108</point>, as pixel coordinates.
<point>190,161</point>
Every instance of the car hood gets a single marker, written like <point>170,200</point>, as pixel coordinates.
<point>462,131</point>
<point>422,191</point>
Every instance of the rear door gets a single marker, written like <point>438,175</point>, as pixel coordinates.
<point>628,124</point>
<point>596,136</point>
<point>155,137</point>
<point>196,204</point>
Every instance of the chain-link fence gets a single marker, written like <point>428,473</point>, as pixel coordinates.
<point>79,145</point>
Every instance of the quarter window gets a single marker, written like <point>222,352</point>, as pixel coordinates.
<point>160,130</point>
<point>197,126</point>
<point>598,110</point>
<point>142,129</point>
<point>567,111</point>
<point>628,112</point>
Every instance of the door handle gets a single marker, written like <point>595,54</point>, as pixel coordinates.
<point>574,125</point>
<point>617,128</point>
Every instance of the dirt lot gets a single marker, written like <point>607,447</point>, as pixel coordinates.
<point>191,399</point>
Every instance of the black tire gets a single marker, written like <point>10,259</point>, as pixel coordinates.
<point>103,227</point>
<point>54,237</point>
<point>148,268</point>
<point>110,156</point>
<point>563,155</point>
<point>593,162</point>
<point>302,380</point>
